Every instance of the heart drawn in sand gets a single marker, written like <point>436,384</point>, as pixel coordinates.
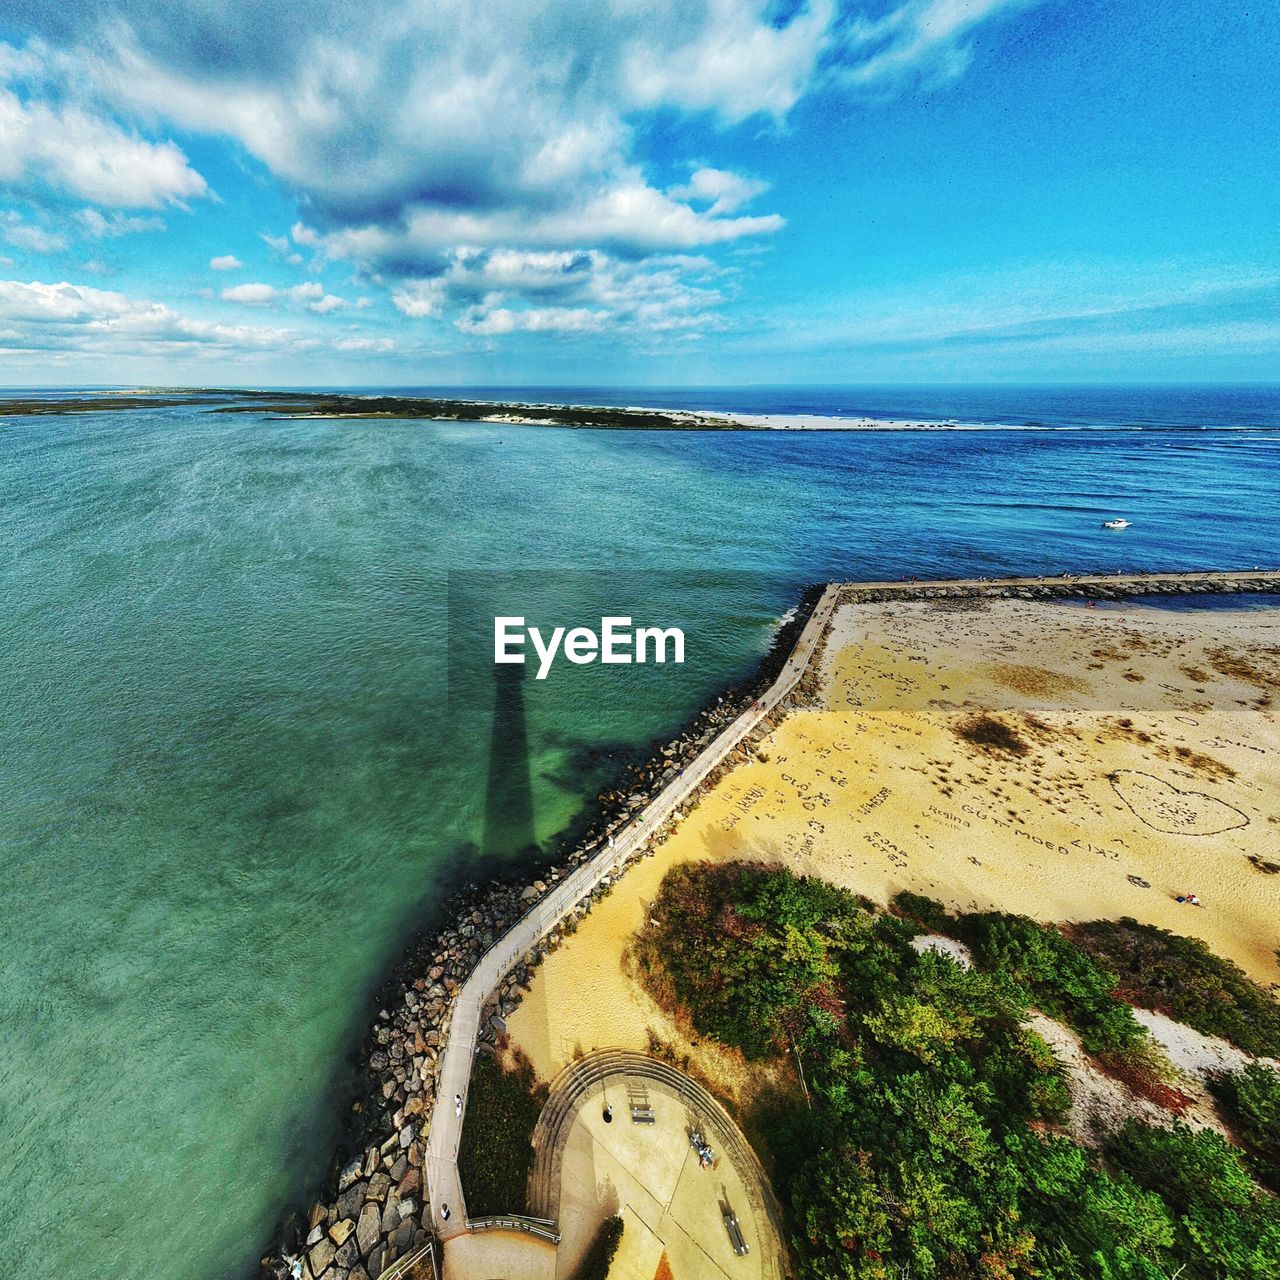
<point>1164,807</point>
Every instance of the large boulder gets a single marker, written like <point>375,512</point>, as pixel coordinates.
<point>348,1255</point>
<point>367,1229</point>
<point>350,1200</point>
<point>321,1256</point>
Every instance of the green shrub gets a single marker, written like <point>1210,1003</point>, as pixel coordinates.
<point>1251,1100</point>
<point>1184,979</point>
<point>928,911</point>
<point>597,1260</point>
<point>1226,1226</point>
<point>1063,978</point>
<point>496,1151</point>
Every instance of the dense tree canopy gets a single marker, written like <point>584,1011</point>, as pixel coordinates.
<point>924,1148</point>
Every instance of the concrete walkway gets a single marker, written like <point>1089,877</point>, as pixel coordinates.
<point>444,1186</point>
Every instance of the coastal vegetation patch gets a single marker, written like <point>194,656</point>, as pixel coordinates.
<point>496,1151</point>
<point>1258,666</point>
<point>1250,1100</point>
<point>992,736</point>
<point>924,1138</point>
<point>1182,978</point>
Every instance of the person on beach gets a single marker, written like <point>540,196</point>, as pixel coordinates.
<point>457,1104</point>
<point>444,1212</point>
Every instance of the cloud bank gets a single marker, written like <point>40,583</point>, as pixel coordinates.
<point>482,163</point>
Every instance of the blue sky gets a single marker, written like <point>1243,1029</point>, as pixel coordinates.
<point>714,191</point>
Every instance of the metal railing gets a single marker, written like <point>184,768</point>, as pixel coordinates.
<point>543,1228</point>
<point>403,1267</point>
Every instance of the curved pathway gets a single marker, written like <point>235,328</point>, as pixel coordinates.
<point>583,1079</point>
<point>443,1183</point>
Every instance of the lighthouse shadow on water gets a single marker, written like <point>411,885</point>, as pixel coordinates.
<point>508,813</point>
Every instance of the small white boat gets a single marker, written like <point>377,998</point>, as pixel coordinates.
<point>1115,524</point>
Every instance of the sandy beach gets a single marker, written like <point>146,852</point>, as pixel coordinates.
<point>1064,762</point>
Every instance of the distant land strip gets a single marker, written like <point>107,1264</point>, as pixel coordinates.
<point>306,404</point>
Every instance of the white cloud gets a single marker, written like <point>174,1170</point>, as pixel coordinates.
<point>98,226</point>
<point>26,235</point>
<point>373,346</point>
<point>919,37</point>
<point>393,119</point>
<point>226,262</point>
<point>734,63</point>
<point>282,248</point>
<point>441,149</point>
<point>723,191</point>
<point>249,295</point>
<point>419,298</point>
<point>77,317</point>
<point>64,147</point>
<point>513,290</point>
<point>310,294</point>
<point>498,320</point>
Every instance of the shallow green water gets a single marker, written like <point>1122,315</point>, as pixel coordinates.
<point>245,732</point>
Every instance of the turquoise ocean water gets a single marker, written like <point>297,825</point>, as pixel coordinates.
<point>247,720</point>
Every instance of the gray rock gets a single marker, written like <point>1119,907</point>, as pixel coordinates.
<point>350,1200</point>
<point>367,1228</point>
<point>378,1187</point>
<point>390,1215</point>
<point>406,1135</point>
<point>349,1254</point>
<point>350,1172</point>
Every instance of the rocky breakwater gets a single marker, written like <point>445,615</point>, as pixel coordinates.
<point>1068,587</point>
<point>373,1210</point>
